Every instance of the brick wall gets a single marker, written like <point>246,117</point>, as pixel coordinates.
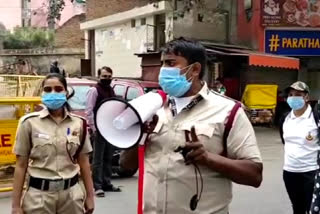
<point>69,34</point>
<point>101,8</point>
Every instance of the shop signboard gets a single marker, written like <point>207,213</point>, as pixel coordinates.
<point>292,42</point>
<point>299,13</point>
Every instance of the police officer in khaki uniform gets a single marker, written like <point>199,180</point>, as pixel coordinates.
<point>52,146</point>
<point>185,171</point>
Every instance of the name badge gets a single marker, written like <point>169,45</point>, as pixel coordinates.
<point>43,136</point>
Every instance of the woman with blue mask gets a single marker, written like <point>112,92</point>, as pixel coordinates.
<point>52,146</point>
<point>299,133</point>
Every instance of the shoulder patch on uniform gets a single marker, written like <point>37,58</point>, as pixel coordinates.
<point>228,98</point>
<point>223,96</point>
<point>77,116</point>
<point>30,115</point>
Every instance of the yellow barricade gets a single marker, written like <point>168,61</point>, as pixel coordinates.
<point>11,110</point>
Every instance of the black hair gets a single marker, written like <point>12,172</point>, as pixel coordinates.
<point>105,68</point>
<point>55,63</point>
<point>59,77</point>
<point>191,50</point>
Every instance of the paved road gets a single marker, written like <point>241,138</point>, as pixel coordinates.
<point>270,198</point>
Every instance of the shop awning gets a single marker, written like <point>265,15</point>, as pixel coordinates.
<point>274,61</point>
<point>255,58</point>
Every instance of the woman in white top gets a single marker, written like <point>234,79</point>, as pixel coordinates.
<point>299,132</point>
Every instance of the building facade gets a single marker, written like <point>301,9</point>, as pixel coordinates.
<point>286,28</point>
<point>11,13</point>
<point>115,32</point>
<point>23,13</point>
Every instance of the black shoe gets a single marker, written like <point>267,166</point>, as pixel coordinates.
<point>111,188</point>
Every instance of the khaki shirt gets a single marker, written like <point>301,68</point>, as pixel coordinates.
<point>46,142</point>
<point>169,183</point>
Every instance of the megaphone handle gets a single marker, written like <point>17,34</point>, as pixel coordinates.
<point>141,151</point>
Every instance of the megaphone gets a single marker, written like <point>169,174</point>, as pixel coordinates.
<point>121,123</point>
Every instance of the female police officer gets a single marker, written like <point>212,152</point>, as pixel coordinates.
<point>299,133</point>
<point>47,146</point>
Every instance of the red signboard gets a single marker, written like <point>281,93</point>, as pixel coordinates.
<point>299,13</point>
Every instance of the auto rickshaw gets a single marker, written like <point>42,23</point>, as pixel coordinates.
<point>261,100</point>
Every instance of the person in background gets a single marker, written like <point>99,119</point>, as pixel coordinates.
<point>52,146</point>
<point>102,150</point>
<point>54,68</point>
<point>299,133</point>
<point>219,87</point>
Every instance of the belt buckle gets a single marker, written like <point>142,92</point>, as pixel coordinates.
<point>56,185</point>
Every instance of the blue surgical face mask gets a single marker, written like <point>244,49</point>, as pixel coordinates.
<point>54,101</point>
<point>296,102</point>
<point>172,82</point>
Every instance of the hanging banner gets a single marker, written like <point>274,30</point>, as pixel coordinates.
<point>303,13</point>
<point>292,42</point>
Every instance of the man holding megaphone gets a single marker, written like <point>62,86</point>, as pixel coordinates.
<point>192,123</point>
<point>198,143</point>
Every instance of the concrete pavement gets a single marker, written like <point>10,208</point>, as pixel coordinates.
<point>270,198</point>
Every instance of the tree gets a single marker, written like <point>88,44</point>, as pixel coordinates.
<point>187,5</point>
<point>55,8</point>
<point>2,34</point>
<point>28,38</point>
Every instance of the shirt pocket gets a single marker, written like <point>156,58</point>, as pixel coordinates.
<point>205,133</point>
<point>73,143</point>
<point>42,146</point>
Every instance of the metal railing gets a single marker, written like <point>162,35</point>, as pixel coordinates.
<point>20,85</point>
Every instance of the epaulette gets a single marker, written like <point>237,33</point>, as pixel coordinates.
<point>78,116</point>
<point>226,97</point>
<point>30,115</point>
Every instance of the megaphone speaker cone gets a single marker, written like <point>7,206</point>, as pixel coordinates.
<point>104,119</point>
<point>120,122</point>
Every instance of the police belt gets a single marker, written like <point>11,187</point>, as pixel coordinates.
<point>52,185</point>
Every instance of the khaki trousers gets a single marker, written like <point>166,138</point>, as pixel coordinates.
<point>70,201</point>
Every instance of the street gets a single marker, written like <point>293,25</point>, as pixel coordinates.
<point>270,198</point>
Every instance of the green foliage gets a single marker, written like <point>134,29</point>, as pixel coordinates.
<point>27,38</point>
<point>54,7</point>
<point>189,5</point>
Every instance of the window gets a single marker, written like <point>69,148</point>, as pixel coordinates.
<point>133,23</point>
<point>78,100</point>
<point>119,90</point>
<point>200,17</point>
<point>132,93</point>
<point>143,21</point>
<point>147,90</point>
